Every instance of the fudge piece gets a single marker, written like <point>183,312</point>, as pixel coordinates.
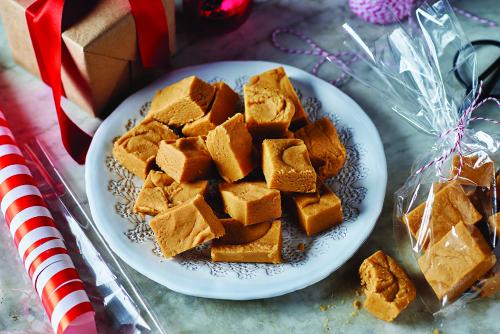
<point>477,169</point>
<point>448,206</point>
<point>136,150</point>
<point>266,249</point>
<point>185,160</point>
<point>497,186</point>
<point>286,166</point>
<point>185,226</point>
<point>230,145</point>
<point>181,102</point>
<point>387,288</point>
<point>454,263</point>
<point>326,152</point>
<point>318,211</point>
<point>161,192</point>
<point>223,107</point>
<point>277,79</point>
<point>268,113</point>
<point>237,233</point>
<point>494,222</point>
<point>251,202</point>
<point>491,284</point>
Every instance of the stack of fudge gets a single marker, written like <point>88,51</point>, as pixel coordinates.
<point>455,253</point>
<point>193,133</point>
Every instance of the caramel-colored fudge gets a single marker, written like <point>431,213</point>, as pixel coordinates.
<point>286,166</point>
<point>266,249</point>
<point>230,145</point>
<point>237,233</point>
<point>181,102</point>
<point>185,160</point>
<point>387,288</point>
<point>494,222</point>
<point>136,150</point>
<point>223,107</point>
<point>161,192</point>
<point>326,152</point>
<point>459,259</point>
<point>450,206</point>
<point>277,79</point>
<point>268,113</point>
<point>251,202</point>
<point>185,226</point>
<point>491,284</point>
<point>477,170</point>
<point>318,211</point>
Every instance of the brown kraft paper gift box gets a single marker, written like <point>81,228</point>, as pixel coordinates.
<point>103,65</point>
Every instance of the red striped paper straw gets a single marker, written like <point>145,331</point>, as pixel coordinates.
<point>39,243</point>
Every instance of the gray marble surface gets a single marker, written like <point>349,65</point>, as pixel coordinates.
<point>325,307</point>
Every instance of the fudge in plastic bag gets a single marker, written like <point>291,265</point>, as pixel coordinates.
<point>448,206</point>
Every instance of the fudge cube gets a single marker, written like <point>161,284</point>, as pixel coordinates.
<point>268,113</point>
<point>326,152</point>
<point>318,211</point>
<point>477,170</point>
<point>266,249</point>
<point>447,206</point>
<point>286,166</point>
<point>454,263</point>
<point>387,288</point>
<point>186,226</point>
<point>491,284</point>
<point>136,150</point>
<point>251,202</point>
<point>161,192</point>
<point>278,80</point>
<point>230,145</point>
<point>185,160</point>
<point>181,102</point>
<point>237,233</point>
<point>223,107</point>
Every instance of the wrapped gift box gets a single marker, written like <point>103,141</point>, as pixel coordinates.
<point>102,63</point>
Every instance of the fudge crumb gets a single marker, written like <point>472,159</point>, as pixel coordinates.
<point>326,324</point>
<point>357,304</point>
<point>301,247</point>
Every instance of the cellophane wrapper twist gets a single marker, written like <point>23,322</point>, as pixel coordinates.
<point>445,214</point>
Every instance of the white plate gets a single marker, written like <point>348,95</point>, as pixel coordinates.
<point>361,185</point>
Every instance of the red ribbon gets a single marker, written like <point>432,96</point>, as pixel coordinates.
<point>44,18</point>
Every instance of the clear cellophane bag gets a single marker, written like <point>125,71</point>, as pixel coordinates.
<point>446,213</point>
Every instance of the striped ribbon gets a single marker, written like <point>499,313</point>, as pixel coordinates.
<point>39,243</point>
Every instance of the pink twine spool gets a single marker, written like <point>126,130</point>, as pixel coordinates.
<point>381,11</point>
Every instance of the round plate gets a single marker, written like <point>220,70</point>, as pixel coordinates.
<point>361,185</point>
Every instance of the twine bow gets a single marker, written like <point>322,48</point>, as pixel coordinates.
<point>459,131</point>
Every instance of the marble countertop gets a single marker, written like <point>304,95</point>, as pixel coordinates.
<point>325,307</point>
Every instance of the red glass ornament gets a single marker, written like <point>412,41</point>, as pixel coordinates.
<point>218,15</point>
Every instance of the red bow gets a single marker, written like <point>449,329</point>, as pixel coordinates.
<point>44,18</point>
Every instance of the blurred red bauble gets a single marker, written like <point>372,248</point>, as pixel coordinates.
<point>217,15</point>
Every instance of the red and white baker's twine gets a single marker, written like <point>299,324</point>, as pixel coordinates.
<point>343,58</point>
<point>38,241</point>
<point>459,131</point>
<point>473,17</point>
<point>390,11</point>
